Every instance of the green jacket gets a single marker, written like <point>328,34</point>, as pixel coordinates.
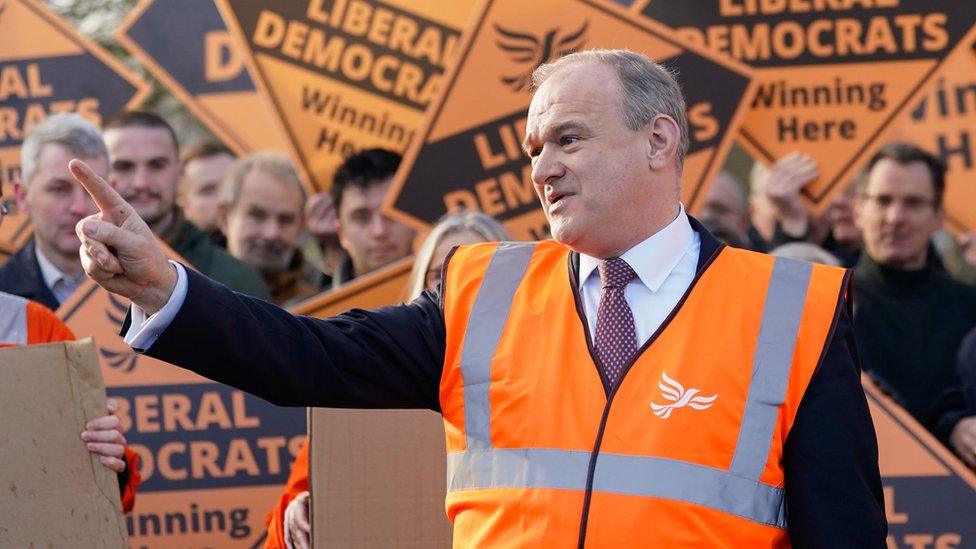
<point>195,247</point>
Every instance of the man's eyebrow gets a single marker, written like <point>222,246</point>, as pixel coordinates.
<point>568,125</point>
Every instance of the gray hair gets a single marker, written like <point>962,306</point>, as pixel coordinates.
<point>272,163</point>
<point>806,251</point>
<point>454,222</point>
<point>648,89</point>
<point>70,130</point>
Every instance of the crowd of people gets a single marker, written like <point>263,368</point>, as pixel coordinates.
<point>250,224</point>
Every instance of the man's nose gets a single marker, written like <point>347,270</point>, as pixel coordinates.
<point>142,179</point>
<point>547,166</point>
<point>380,226</point>
<point>81,203</point>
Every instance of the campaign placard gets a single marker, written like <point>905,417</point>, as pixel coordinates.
<point>213,459</point>
<point>469,155</point>
<point>187,47</point>
<point>944,124</point>
<point>928,492</point>
<point>344,75</point>
<point>833,74</point>
<point>46,67</point>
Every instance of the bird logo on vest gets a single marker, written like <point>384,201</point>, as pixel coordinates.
<point>679,397</point>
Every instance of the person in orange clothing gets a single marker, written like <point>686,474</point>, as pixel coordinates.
<point>289,519</point>
<point>25,322</point>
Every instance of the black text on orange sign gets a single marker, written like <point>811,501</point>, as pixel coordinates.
<point>389,51</point>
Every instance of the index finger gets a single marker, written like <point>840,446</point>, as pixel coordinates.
<point>107,200</point>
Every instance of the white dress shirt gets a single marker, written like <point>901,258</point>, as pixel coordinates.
<point>665,264</point>
<point>60,284</point>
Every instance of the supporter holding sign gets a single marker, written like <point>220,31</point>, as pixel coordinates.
<point>27,322</point>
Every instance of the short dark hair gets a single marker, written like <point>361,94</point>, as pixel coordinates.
<point>362,170</point>
<point>140,119</point>
<point>205,149</point>
<point>906,153</point>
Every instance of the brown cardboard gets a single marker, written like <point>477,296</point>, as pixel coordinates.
<point>55,493</point>
<point>377,478</point>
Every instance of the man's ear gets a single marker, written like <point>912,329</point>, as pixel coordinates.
<point>663,142</point>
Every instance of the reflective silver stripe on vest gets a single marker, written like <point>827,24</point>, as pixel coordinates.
<point>13,320</point>
<point>771,366</point>
<point>618,474</point>
<point>737,491</point>
<point>485,323</point>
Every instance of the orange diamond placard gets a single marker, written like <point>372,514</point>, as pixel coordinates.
<point>46,67</point>
<point>468,154</point>
<point>344,75</point>
<point>187,47</point>
<point>833,75</point>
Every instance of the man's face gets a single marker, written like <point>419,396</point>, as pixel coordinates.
<point>897,214</point>
<point>55,201</point>
<point>263,227</point>
<point>200,189</point>
<point>588,168</point>
<point>725,204</point>
<point>145,170</point>
<point>371,239</point>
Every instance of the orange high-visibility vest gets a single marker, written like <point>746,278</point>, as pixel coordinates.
<point>685,451</point>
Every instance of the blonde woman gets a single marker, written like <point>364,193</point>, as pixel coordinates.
<point>454,229</point>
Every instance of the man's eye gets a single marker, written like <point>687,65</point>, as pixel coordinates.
<point>568,140</point>
<point>535,151</point>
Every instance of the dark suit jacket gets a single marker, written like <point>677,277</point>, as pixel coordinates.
<point>21,275</point>
<point>392,358</point>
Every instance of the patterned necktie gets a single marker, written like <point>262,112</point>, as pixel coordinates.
<point>616,336</point>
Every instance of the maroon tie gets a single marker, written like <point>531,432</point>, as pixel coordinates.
<point>616,337</point>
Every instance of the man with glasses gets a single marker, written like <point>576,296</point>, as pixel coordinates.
<point>910,315</point>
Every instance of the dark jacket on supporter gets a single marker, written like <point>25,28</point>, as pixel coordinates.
<point>966,368</point>
<point>195,247</point>
<point>21,275</point>
<point>909,325</point>
<point>393,358</point>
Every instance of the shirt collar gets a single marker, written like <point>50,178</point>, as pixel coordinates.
<point>49,272</point>
<point>655,257</point>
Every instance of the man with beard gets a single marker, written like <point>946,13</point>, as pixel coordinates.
<point>262,200</point>
<point>145,169</point>
<point>47,268</point>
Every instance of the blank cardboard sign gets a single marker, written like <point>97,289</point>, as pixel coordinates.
<point>377,478</point>
<point>55,493</point>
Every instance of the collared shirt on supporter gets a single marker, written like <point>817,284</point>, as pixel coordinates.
<point>61,284</point>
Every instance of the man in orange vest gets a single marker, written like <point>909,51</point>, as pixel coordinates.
<point>630,383</point>
<point>30,323</point>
